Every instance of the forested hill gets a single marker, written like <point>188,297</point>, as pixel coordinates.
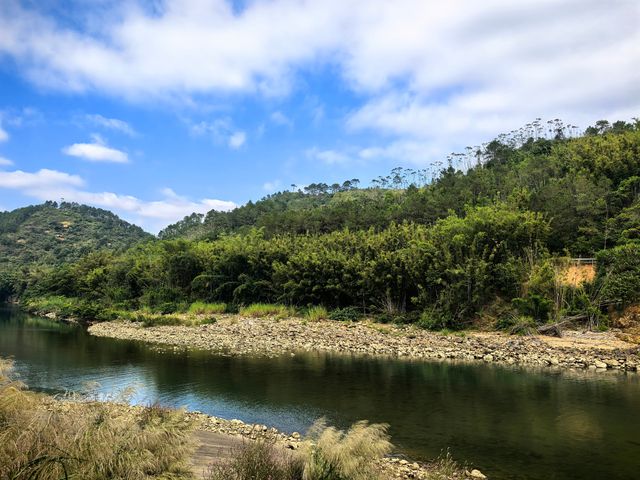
<point>52,234</point>
<point>484,236</point>
<point>587,186</point>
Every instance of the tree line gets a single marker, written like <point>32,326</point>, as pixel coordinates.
<point>485,241</point>
<point>586,187</point>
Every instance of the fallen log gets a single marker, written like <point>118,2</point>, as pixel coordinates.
<point>555,329</point>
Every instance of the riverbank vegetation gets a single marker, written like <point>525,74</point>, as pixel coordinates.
<point>326,454</point>
<point>40,440</point>
<point>481,239</point>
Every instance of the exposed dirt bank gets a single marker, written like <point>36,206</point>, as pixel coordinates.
<point>234,335</point>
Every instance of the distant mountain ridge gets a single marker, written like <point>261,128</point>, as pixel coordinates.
<point>52,234</point>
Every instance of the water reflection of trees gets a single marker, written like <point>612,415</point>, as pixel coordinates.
<point>503,419</point>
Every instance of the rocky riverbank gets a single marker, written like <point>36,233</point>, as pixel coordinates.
<point>234,335</point>
<point>392,468</point>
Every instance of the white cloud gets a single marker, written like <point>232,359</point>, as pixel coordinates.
<point>271,187</point>
<point>474,70</point>
<point>330,157</point>
<point>438,73</point>
<point>153,215</point>
<point>218,128</point>
<point>169,209</point>
<point>111,123</point>
<point>97,151</point>
<point>36,183</point>
<point>5,162</point>
<point>237,140</point>
<point>193,46</point>
<point>280,118</point>
<point>16,118</point>
<point>406,151</point>
<point>221,131</point>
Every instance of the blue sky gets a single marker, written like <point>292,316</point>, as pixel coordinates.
<point>156,109</point>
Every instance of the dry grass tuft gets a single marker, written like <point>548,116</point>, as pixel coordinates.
<point>41,439</point>
<point>444,468</point>
<point>259,460</point>
<point>334,454</point>
<point>326,454</point>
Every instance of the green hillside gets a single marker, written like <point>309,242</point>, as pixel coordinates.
<point>481,240</point>
<point>585,186</point>
<point>53,234</point>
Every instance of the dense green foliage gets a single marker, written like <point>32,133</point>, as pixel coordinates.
<point>619,274</point>
<point>437,252</point>
<point>48,235</point>
<point>587,187</point>
<point>455,266</point>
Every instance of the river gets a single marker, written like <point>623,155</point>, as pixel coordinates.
<point>509,422</point>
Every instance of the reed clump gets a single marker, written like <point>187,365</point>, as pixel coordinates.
<point>326,454</point>
<point>44,439</point>
<point>333,454</point>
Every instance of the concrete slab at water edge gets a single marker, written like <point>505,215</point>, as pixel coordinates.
<point>212,448</point>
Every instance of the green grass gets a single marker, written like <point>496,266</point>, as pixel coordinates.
<point>156,320</point>
<point>65,307</point>
<point>315,314</point>
<point>202,308</point>
<point>51,304</point>
<point>258,310</point>
<point>160,320</point>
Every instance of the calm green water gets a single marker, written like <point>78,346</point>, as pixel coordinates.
<point>511,423</point>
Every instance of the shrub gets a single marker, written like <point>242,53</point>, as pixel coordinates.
<point>618,274</point>
<point>258,460</point>
<point>258,310</point>
<point>107,314</point>
<point>517,325</point>
<point>398,318</point>
<point>348,314</point>
<point>165,308</point>
<point>317,313</point>
<point>534,306</point>
<point>58,304</point>
<point>433,320</point>
<point>202,308</point>
<point>68,307</point>
<point>326,454</point>
<point>444,468</point>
